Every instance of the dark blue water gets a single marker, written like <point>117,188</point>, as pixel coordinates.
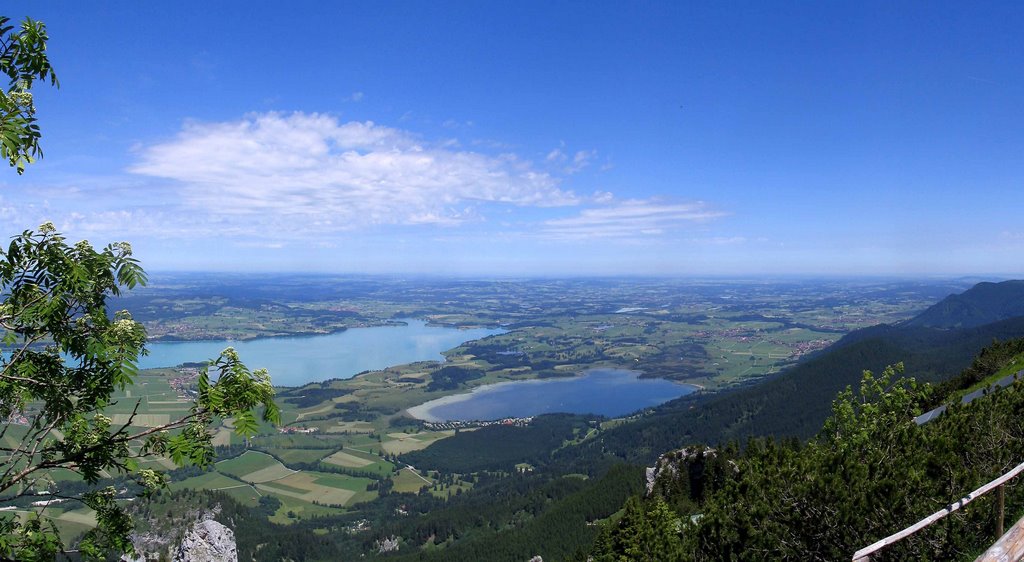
<point>608,392</point>
<point>295,361</point>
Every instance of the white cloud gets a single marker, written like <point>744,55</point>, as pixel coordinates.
<point>629,219</point>
<point>580,160</point>
<point>289,171</point>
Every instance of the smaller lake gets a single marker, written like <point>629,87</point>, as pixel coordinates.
<point>607,392</point>
<point>294,361</point>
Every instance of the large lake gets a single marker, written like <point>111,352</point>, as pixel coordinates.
<point>294,361</point>
<point>608,392</point>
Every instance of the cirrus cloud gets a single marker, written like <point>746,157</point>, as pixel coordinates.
<point>629,219</point>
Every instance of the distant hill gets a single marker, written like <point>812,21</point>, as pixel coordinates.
<point>982,304</point>
<point>797,401</point>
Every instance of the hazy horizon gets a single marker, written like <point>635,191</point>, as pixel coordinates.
<point>534,140</point>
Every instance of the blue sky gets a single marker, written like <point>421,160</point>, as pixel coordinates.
<point>547,138</point>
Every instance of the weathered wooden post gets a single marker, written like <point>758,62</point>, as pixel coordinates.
<point>1000,511</point>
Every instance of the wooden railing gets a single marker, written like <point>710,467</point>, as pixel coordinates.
<point>1009,547</point>
<point>864,554</point>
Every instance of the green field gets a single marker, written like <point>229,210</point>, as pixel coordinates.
<point>409,481</point>
<point>329,489</point>
<point>342,458</point>
<point>254,467</point>
<point>208,481</point>
<point>407,442</point>
<point>298,455</point>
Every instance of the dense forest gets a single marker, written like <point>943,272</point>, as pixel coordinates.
<point>870,472</point>
<point>499,447</point>
<point>504,518</point>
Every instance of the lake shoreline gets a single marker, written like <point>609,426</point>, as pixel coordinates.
<point>295,361</point>
<point>427,411</point>
<point>309,334</point>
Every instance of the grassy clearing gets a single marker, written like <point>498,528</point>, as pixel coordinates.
<point>299,455</point>
<point>74,523</point>
<point>297,440</point>
<point>331,489</point>
<point>208,481</point>
<point>351,483</point>
<point>342,458</point>
<point>321,409</point>
<point>222,437</point>
<point>409,481</point>
<point>254,466</point>
<point>300,508</point>
<point>246,495</point>
<point>83,516</point>
<point>158,463</point>
<point>408,442</point>
<point>351,427</point>
<point>142,420</point>
<point>249,461</point>
<point>365,460</point>
<point>361,442</point>
<point>275,472</point>
<point>63,475</point>
<point>280,486</point>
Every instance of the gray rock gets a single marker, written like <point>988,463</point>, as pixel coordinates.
<point>651,475</point>
<point>208,541</point>
<point>387,544</point>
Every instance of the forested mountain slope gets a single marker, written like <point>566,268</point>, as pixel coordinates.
<point>796,402</point>
<point>982,304</point>
<point>870,472</point>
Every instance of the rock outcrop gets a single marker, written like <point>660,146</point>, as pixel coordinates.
<point>207,541</point>
<point>687,472</point>
<point>674,465</point>
<point>387,544</point>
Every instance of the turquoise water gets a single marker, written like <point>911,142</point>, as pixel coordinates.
<point>608,392</point>
<point>294,361</point>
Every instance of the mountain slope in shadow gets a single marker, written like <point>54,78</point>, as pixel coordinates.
<point>934,346</point>
<point>982,304</point>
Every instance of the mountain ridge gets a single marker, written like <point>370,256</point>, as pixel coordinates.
<point>984,303</point>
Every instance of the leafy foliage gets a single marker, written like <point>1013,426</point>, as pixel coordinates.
<point>653,535</point>
<point>870,472</point>
<point>62,360</point>
<point>23,60</point>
